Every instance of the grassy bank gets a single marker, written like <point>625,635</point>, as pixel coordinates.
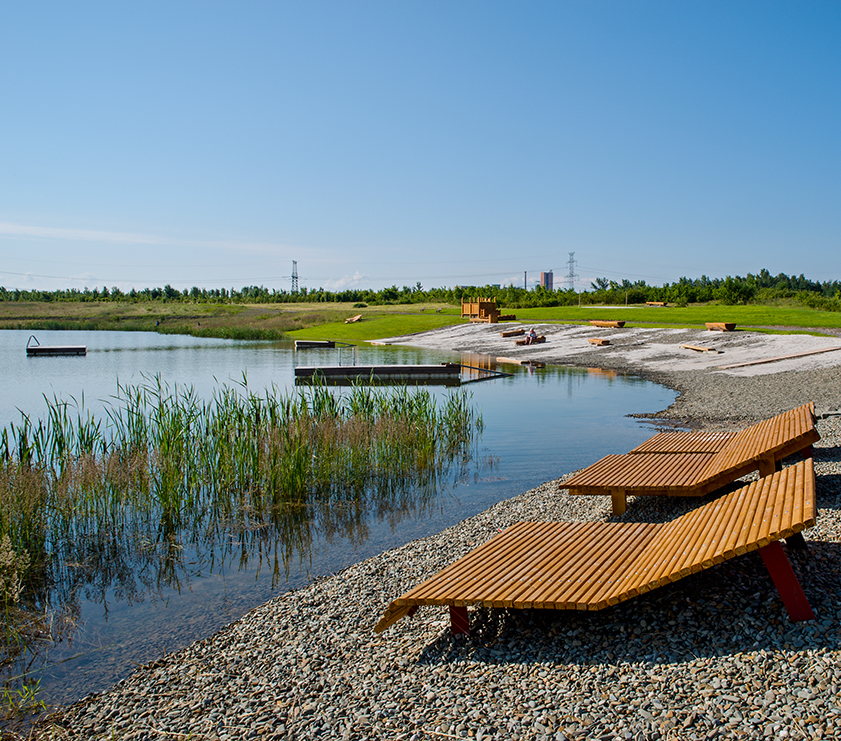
<point>327,321</point>
<point>230,321</point>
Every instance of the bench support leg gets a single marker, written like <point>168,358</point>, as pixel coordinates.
<point>459,622</point>
<point>766,467</point>
<point>786,582</point>
<point>808,452</point>
<point>619,502</point>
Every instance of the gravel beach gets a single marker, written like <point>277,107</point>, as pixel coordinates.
<point>711,656</point>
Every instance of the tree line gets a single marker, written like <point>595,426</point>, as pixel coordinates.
<point>760,288</point>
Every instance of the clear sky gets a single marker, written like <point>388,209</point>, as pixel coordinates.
<point>453,142</point>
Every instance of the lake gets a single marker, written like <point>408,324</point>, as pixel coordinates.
<point>538,424</point>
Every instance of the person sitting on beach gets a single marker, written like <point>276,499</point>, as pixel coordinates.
<point>531,337</point>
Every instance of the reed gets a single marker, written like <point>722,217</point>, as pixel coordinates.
<point>163,466</point>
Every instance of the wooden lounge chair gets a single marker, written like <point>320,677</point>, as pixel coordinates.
<point>592,565</point>
<point>681,464</point>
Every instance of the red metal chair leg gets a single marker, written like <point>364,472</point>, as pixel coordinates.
<point>459,622</point>
<point>786,582</point>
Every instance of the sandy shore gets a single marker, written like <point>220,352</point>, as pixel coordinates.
<point>711,656</point>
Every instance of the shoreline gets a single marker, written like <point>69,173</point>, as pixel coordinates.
<point>708,395</point>
<point>711,655</point>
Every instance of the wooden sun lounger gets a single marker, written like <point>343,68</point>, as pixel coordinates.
<point>590,566</point>
<point>694,464</point>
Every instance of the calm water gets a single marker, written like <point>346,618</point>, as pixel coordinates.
<point>538,425</point>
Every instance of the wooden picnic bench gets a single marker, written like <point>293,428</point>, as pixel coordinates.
<point>593,565</point>
<point>696,463</point>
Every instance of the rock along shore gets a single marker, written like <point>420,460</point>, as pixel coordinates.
<point>711,656</point>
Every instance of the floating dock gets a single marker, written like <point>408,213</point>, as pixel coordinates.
<point>307,344</point>
<point>39,349</point>
<point>448,374</point>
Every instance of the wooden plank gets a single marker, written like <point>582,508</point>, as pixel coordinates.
<point>698,348</point>
<point>779,357</point>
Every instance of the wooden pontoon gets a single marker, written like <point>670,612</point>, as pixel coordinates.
<point>443,373</point>
<point>692,464</point>
<point>309,344</point>
<point>38,349</point>
<point>593,565</point>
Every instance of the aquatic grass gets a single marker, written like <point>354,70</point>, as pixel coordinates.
<point>166,463</point>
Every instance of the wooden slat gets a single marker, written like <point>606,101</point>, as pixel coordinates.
<point>685,442</point>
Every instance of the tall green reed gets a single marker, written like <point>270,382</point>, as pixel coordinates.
<point>164,461</point>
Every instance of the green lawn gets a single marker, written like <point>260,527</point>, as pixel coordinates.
<point>383,321</point>
<point>699,314</point>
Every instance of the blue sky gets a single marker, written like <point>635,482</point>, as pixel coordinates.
<point>378,143</point>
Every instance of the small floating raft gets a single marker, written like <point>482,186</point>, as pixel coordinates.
<point>606,323</point>
<point>307,344</point>
<point>39,349</point>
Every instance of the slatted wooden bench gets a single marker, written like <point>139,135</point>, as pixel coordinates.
<point>655,303</point>
<point>695,464</point>
<point>593,565</point>
<point>607,323</point>
<point>512,332</point>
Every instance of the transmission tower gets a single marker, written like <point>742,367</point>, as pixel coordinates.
<point>571,274</point>
<point>294,276</point>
